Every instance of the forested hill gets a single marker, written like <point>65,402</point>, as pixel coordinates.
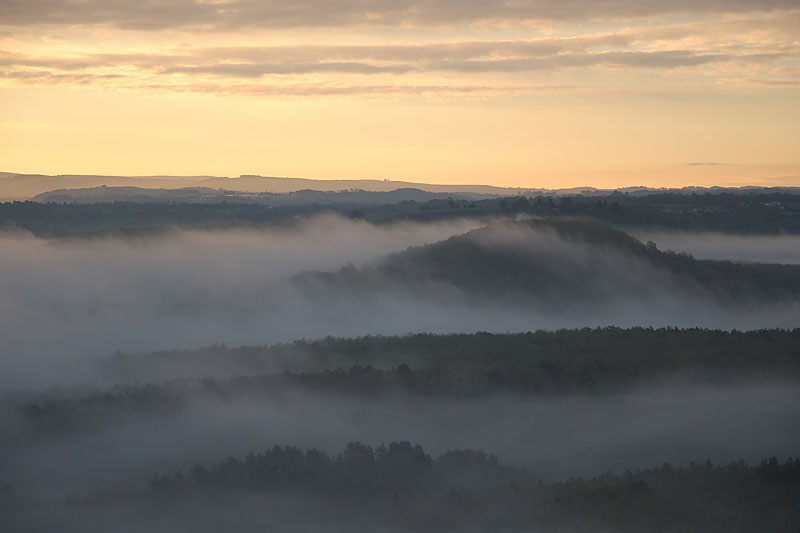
<point>555,260</point>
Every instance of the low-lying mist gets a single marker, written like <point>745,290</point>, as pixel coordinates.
<point>552,404</point>
<point>62,300</point>
<point>784,249</point>
<point>557,437</point>
<point>63,303</point>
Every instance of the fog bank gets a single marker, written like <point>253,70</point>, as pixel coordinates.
<point>557,437</point>
<point>783,249</point>
<point>63,303</point>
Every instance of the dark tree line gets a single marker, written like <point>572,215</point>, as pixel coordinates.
<point>755,212</point>
<point>468,486</point>
<point>594,361</point>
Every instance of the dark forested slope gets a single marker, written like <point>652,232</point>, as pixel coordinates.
<point>551,261</point>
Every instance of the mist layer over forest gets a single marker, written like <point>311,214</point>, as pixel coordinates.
<point>69,300</point>
<point>129,354</point>
<point>557,437</point>
<point>551,405</point>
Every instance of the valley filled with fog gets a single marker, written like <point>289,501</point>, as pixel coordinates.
<point>68,301</point>
<point>583,350</point>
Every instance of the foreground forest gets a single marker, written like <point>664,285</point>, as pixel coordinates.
<point>399,487</point>
<point>505,364</point>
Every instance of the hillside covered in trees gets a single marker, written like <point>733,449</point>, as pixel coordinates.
<point>561,261</point>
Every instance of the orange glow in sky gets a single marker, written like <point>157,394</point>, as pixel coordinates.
<point>523,94</point>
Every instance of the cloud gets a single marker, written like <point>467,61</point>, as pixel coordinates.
<point>668,59</point>
<point>256,70</point>
<point>465,57</point>
<point>237,14</point>
<point>776,83</point>
<point>760,44</point>
<point>361,90</point>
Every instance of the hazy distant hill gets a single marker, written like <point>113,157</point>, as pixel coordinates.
<point>25,186</point>
<point>209,195</point>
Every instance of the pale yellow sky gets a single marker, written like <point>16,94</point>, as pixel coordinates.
<point>434,91</point>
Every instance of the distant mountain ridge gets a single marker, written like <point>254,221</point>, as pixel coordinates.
<point>208,195</point>
<point>25,186</point>
<point>15,186</point>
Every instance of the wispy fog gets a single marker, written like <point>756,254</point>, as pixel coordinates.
<point>783,249</point>
<point>182,288</point>
<point>62,303</point>
<point>67,306</point>
<point>558,437</point>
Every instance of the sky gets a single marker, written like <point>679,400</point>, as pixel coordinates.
<point>519,93</point>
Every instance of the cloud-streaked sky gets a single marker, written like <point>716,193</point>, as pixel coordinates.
<point>525,93</point>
